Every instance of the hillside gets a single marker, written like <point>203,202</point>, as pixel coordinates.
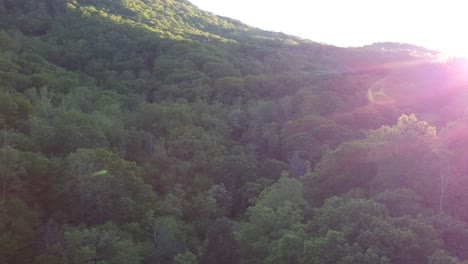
<point>150,131</point>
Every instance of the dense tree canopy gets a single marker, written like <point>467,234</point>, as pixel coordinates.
<point>149,131</point>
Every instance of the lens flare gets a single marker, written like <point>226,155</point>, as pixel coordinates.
<point>99,173</point>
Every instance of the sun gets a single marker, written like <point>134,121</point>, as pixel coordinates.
<point>455,49</point>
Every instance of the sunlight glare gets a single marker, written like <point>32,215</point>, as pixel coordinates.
<point>434,24</point>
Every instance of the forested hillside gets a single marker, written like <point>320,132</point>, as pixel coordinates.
<point>149,131</point>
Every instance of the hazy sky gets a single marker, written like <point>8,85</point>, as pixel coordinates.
<point>435,24</point>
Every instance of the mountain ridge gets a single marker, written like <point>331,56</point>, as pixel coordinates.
<point>149,131</point>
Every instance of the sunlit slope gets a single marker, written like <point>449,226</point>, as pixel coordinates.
<point>172,49</point>
<point>154,132</point>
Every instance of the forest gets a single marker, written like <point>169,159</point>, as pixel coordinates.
<point>150,131</point>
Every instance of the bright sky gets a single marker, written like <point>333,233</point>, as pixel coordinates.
<point>435,24</point>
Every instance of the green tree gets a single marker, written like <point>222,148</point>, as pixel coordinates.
<point>221,245</point>
<point>440,257</point>
<point>186,258</point>
<point>76,130</point>
<point>101,244</point>
<point>106,187</point>
<point>9,168</point>
<point>167,236</point>
<point>331,248</point>
<point>287,249</point>
<point>18,228</point>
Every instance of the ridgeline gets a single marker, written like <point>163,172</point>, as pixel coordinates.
<point>150,131</point>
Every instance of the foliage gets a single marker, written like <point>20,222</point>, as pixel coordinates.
<point>137,131</point>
